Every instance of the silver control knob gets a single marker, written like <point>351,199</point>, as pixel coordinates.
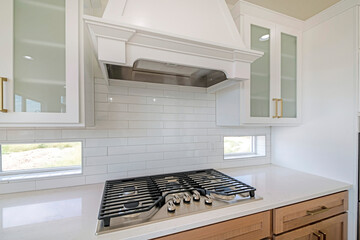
<point>208,200</point>
<point>187,198</point>
<point>196,196</point>
<point>171,207</point>
<point>176,200</point>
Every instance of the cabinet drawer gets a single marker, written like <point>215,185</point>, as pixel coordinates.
<point>256,226</point>
<point>334,228</point>
<point>301,214</point>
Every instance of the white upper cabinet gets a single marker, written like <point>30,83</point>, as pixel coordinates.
<point>39,62</point>
<point>272,96</point>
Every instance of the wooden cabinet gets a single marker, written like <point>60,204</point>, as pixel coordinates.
<point>334,228</point>
<point>39,62</point>
<point>272,96</point>
<point>322,218</point>
<point>301,214</point>
<point>256,226</point>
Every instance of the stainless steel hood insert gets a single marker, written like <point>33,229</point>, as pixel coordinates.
<point>166,73</point>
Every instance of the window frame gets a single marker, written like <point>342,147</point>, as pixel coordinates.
<point>254,148</point>
<point>43,170</point>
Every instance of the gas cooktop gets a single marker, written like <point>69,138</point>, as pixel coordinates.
<point>135,201</point>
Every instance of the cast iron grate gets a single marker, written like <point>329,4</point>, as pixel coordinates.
<point>132,196</point>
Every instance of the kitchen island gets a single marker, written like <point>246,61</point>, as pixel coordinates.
<point>71,213</point>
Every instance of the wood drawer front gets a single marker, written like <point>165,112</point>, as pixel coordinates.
<point>301,214</point>
<point>334,228</point>
<point>253,227</point>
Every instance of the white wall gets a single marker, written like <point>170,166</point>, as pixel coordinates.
<point>135,135</point>
<point>326,142</point>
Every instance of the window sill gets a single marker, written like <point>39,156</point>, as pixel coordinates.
<point>243,156</point>
<point>33,176</point>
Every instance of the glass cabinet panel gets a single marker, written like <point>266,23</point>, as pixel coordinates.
<point>260,73</point>
<point>39,56</point>
<point>288,74</point>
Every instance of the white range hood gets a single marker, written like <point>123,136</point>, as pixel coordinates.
<point>191,42</point>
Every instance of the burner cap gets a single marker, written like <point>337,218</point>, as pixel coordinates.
<point>172,185</point>
<point>128,191</point>
<point>130,205</point>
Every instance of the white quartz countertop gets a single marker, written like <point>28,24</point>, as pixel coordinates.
<point>71,213</point>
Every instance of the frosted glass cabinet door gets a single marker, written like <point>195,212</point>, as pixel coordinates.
<point>260,73</point>
<point>41,53</point>
<point>289,75</point>
<point>39,56</point>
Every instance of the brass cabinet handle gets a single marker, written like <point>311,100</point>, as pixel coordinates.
<point>318,236</point>
<point>323,234</point>
<point>2,80</point>
<point>276,107</point>
<point>317,211</point>
<point>282,108</point>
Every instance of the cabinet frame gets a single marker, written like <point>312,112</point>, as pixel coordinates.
<point>72,115</point>
<point>275,74</point>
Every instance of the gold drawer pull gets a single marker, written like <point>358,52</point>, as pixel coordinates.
<point>317,236</point>
<point>276,107</point>
<point>282,108</point>
<point>323,234</point>
<point>317,211</point>
<point>2,80</point>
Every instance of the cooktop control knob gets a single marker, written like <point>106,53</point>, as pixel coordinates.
<point>176,200</point>
<point>208,200</point>
<point>196,196</point>
<point>187,198</point>
<point>171,207</point>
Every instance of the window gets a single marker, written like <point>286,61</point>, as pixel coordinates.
<point>40,157</point>
<point>244,146</point>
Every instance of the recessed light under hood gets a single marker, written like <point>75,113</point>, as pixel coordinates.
<point>182,42</point>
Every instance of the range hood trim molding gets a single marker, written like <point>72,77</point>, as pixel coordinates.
<point>122,44</point>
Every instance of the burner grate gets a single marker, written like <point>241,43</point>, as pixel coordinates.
<point>133,196</point>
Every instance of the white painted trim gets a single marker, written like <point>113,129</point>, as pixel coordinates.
<point>222,85</point>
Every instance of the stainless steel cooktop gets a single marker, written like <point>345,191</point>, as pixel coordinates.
<point>136,201</point>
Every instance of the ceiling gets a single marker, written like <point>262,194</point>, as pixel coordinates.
<point>300,9</point>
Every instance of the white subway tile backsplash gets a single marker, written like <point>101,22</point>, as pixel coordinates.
<point>103,124</point>
<point>126,150</point>
<point>181,139</point>
<point>142,129</point>
<point>146,92</point>
<point>146,157</point>
<point>127,99</point>
<point>104,142</point>
<point>127,133</point>
<point>111,107</point>
<point>101,97</point>
<point>91,161</point>
<point>60,182</point>
<point>91,170</point>
<point>178,109</point>
<point>47,134</point>
<point>123,167</point>
<point>145,108</point>
<point>96,151</point>
<point>145,140</point>
<point>2,135</point>
<point>84,133</point>
<point>16,135</point>
<point>179,154</point>
<point>146,124</point>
